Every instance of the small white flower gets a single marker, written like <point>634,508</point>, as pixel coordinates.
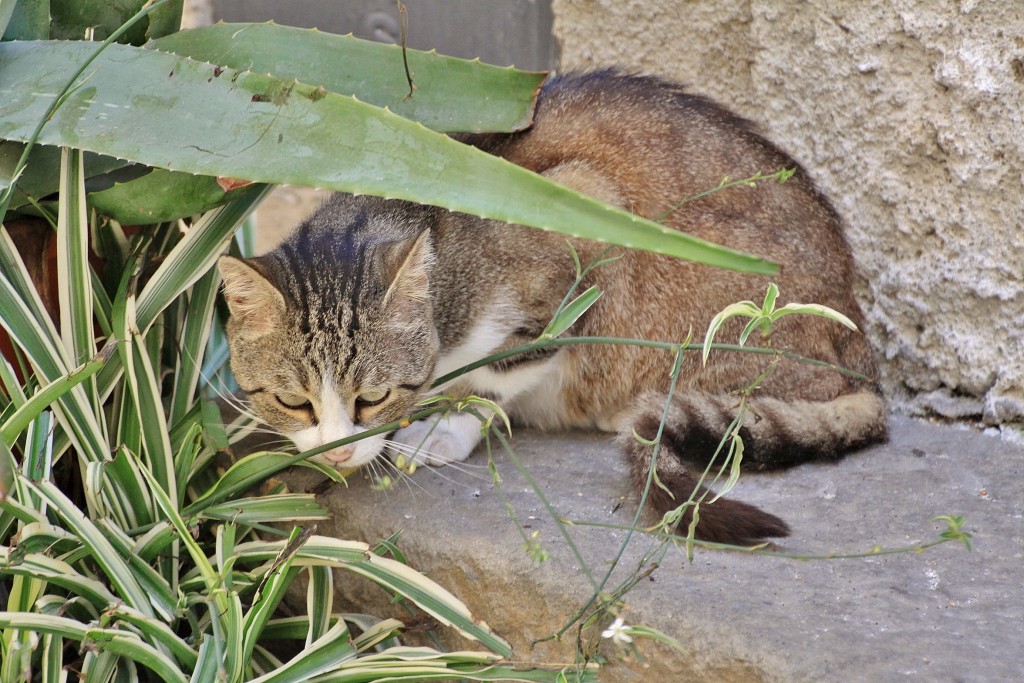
<point>618,632</point>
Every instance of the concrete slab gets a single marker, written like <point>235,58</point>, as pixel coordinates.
<point>944,615</point>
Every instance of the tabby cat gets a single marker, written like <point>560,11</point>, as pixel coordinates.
<point>345,325</point>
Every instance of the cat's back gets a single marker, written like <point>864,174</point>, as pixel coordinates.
<point>659,143</point>
<point>651,147</point>
<point>654,149</point>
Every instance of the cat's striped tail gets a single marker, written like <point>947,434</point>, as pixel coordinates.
<point>775,434</point>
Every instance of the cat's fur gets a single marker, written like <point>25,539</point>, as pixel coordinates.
<point>371,295</point>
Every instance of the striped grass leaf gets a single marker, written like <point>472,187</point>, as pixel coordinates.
<point>270,591</point>
<point>58,573</point>
<point>434,666</point>
<point>29,326</point>
<point>46,538</point>
<point>284,507</point>
<point>102,666</point>
<point>226,624</point>
<point>319,602</point>
<point>187,449</point>
<point>159,591</point>
<point>25,588</point>
<point>169,511</point>
<point>146,409</point>
<point>30,409</point>
<point>116,641</point>
<point>194,333</point>
<point>195,254</point>
<point>378,633</point>
<point>263,661</point>
<point>124,490</point>
<point>365,623</point>
<point>323,655</point>
<point>37,458</point>
<point>99,548</point>
<point>191,258</point>
<point>74,275</point>
<point>22,513</point>
<point>18,644</point>
<point>157,633</point>
<point>53,660</point>
<point>247,472</point>
<point>394,576</point>
<point>20,288</point>
<point>208,663</point>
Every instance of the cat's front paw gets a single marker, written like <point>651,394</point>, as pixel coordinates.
<point>438,440</point>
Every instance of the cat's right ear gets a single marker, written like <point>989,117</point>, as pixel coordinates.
<point>255,304</point>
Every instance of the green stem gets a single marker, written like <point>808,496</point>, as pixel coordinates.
<point>762,549</point>
<point>665,346</point>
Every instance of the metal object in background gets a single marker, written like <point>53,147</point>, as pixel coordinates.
<point>516,32</point>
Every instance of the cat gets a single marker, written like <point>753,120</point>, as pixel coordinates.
<point>345,325</point>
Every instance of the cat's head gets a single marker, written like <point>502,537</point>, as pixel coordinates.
<point>332,333</point>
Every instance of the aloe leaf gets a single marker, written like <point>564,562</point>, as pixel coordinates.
<point>71,19</point>
<point>6,11</point>
<point>27,19</point>
<point>158,196</point>
<point>290,132</point>
<point>451,95</point>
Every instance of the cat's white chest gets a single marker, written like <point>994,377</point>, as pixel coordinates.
<point>531,393</point>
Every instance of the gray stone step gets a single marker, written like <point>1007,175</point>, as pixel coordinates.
<point>943,615</point>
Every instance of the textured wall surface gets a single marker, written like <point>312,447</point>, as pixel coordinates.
<point>910,116</point>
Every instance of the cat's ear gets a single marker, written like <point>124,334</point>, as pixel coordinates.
<point>411,281</point>
<point>254,302</point>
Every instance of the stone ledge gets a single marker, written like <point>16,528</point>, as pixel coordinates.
<point>944,615</point>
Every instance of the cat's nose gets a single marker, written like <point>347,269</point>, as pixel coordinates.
<point>339,455</point>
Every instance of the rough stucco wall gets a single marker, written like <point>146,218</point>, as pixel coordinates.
<point>910,116</point>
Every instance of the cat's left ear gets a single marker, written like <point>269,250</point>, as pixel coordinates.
<point>411,281</point>
<point>255,303</point>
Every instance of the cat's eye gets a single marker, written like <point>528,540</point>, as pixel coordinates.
<point>293,401</point>
<point>372,397</point>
